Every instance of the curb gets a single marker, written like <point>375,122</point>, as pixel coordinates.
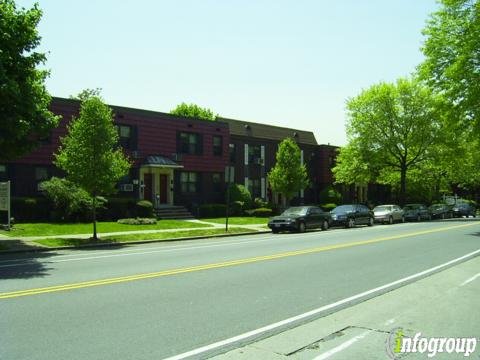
<point>126,243</point>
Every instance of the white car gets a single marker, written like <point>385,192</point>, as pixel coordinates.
<point>388,214</point>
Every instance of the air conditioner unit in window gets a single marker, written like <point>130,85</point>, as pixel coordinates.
<point>126,187</point>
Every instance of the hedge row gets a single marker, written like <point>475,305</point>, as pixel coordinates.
<point>26,209</point>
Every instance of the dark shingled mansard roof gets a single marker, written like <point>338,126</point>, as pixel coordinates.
<point>270,132</point>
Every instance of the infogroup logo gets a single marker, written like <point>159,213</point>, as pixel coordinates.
<point>399,345</point>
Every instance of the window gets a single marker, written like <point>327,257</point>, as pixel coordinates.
<point>126,136</point>
<point>232,152</point>
<point>217,182</point>
<point>254,187</point>
<point>41,173</point>
<point>217,146</point>
<point>188,182</point>
<point>254,154</point>
<point>189,143</point>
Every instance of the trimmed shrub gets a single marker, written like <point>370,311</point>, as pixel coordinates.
<point>328,207</point>
<point>30,209</point>
<point>237,208</point>
<point>69,202</point>
<point>330,196</point>
<point>120,208</point>
<point>259,203</point>
<point>241,194</point>
<point>144,209</point>
<point>212,210</point>
<point>262,212</point>
<point>138,221</point>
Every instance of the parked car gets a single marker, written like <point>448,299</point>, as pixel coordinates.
<point>463,209</point>
<point>300,218</point>
<point>351,215</point>
<point>416,212</point>
<point>388,214</point>
<point>440,211</point>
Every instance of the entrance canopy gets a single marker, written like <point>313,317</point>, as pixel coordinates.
<point>161,162</point>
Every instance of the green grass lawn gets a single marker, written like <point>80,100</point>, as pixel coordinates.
<point>239,220</point>
<point>52,242</point>
<point>48,229</point>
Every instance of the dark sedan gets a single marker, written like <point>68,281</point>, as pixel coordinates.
<point>463,209</point>
<point>351,215</point>
<point>300,218</point>
<point>416,212</point>
<point>440,211</point>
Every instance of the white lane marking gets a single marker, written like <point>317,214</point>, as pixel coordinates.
<point>390,322</point>
<point>317,311</point>
<point>470,280</point>
<point>342,346</point>
<point>26,262</point>
<point>158,249</point>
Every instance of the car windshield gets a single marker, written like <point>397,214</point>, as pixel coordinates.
<point>343,209</point>
<point>297,210</point>
<point>411,207</point>
<point>382,208</point>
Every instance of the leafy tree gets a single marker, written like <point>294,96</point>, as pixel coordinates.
<point>289,175</point>
<point>392,128</point>
<point>89,154</point>
<point>194,111</point>
<point>24,101</point>
<point>452,49</point>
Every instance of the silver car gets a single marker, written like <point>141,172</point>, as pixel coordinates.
<point>388,214</point>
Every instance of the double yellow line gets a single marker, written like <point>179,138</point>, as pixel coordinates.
<point>122,279</point>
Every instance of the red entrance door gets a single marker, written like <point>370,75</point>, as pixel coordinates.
<point>147,190</point>
<point>163,189</point>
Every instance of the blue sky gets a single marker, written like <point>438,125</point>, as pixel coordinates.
<point>286,63</point>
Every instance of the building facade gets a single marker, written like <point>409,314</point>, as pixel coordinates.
<point>182,161</point>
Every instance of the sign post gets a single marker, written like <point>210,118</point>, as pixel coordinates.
<point>227,181</point>
<point>5,200</point>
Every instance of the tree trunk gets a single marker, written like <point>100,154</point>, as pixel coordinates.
<point>403,185</point>
<point>94,216</point>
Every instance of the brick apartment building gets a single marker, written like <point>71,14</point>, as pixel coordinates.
<point>182,161</point>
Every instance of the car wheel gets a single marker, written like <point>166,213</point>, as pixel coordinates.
<point>275,231</point>
<point>350,223</point>
<point>325,225</point>
<point>390,220</point>
<point>302,227</point>
<point>419,218</point>
<point>370,221</point>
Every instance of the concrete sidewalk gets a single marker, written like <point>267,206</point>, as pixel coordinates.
<point>446,304</point>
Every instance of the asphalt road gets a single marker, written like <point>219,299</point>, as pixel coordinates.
<point>159,300</point>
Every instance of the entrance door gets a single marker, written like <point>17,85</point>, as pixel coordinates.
<point>163,189</point>
<point>147,190</point>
